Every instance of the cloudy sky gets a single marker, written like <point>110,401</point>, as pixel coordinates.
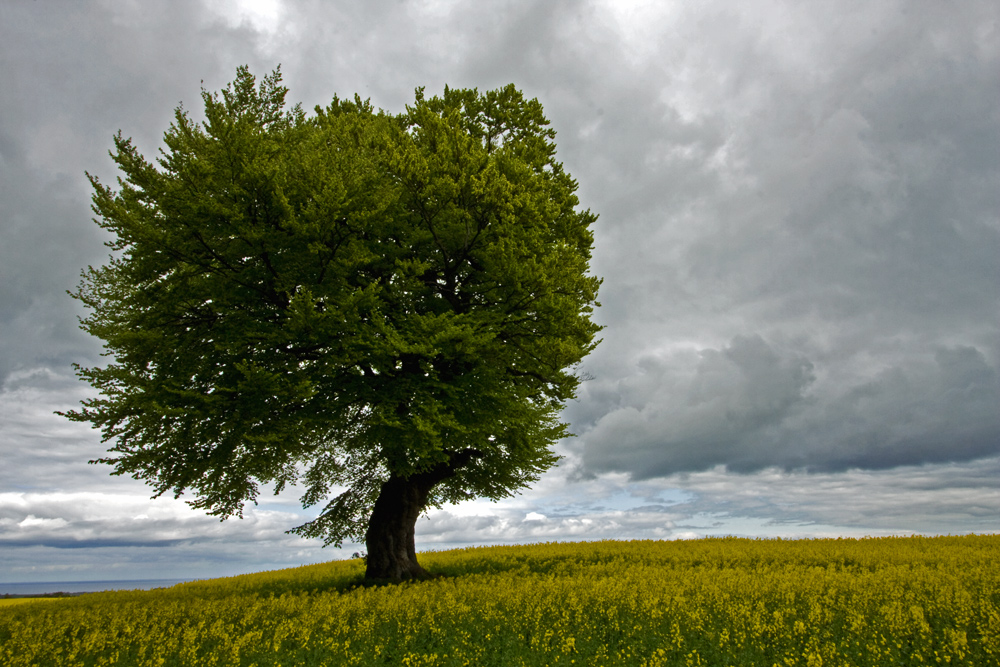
<point>799,236</point>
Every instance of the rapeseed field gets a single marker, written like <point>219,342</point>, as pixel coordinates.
<point>726,601</point>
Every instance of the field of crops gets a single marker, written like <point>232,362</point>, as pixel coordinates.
<point>895,601</point>
<point>9,602</point>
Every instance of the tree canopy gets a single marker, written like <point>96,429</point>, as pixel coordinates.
<point>339,301</point>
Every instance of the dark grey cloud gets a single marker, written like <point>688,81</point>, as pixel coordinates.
<point>671,418</point>
<point>41,451</point>
<point>936,499</point>
<point>847,214</point>
<point>750,406</point>
<point>74,74</point>
<point>798,232</point>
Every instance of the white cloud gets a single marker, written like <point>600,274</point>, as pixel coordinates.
<point>930,499</point>
<point>31,521</point>
<point>266,19</point>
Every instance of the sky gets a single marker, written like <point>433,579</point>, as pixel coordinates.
<point>799,237</point>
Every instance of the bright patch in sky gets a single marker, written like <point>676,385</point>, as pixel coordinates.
<point>263,15</point>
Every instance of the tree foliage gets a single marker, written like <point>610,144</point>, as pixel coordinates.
<point>335,299</point>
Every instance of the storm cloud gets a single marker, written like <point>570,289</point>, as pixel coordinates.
<point>749,406</point>
<point>799,237</point>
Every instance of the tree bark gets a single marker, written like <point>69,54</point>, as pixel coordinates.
<point>391,528</point>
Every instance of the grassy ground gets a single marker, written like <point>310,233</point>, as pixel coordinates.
<point>897,601</point>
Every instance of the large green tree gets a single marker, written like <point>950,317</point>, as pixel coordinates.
<point>384,309</point>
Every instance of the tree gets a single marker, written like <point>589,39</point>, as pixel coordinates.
<point>385,309</point>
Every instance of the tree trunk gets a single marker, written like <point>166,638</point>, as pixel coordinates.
<point>391,552</point>
<point>390,534</point>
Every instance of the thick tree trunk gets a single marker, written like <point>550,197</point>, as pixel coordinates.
<point>391,552</point>
<point>390,535</point>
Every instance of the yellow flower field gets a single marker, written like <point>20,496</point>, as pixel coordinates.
<point>729,601</point>
<point>7,602</point>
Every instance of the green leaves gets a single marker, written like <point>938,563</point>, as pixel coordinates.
<point>340,296</point>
